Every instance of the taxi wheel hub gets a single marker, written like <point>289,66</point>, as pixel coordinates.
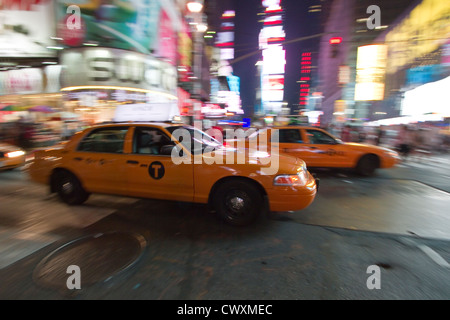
<point>238,202</point>
<point>67,187</point>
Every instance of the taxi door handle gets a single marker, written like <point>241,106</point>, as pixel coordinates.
<point>132,162</point>
<point>313,148</point>
<point>78,159</point>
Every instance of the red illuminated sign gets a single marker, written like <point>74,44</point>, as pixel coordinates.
<point>335,40</point>
<point>275,39</point>
<point>305,87</point>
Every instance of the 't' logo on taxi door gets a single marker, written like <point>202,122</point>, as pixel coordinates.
<point>156,170</point>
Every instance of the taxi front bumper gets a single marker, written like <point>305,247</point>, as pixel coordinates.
<point>390,161</point>
<point>294,198</point>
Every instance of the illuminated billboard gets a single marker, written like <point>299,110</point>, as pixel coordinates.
<point>370,72</point>
<point>430,98</point>
<point>225,39</point>
<point>130,25</point>
<point>167,41</point>
<point>272,71</point>
<point>26,28</point>
<point>184,48</point>
<point>270,3</point>
<point>111,68</point>
<point>273,88</point>
<point>274,59</point>
<point>424,30</point>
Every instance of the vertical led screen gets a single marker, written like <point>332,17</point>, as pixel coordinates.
<point>184,48</point>
<point>167,47</point>
<point>370,72</point>
<point>274,57</point>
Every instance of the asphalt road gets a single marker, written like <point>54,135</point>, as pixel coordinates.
<point>395,226</point>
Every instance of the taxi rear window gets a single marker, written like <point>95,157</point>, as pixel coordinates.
<point>105,140</point>
<point>290,136</point>
<point>319,137</point>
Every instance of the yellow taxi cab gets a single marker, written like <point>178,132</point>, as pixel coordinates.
<point>11,157</point>
<point>320,149</point>
<point>174,162</point>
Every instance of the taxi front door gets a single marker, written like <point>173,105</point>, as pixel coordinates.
<point>151,174</point>
<point>292,143</point>
<point>326,150</point>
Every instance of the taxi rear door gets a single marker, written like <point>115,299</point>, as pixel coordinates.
<point>99,160</point>
<point>152,174</point>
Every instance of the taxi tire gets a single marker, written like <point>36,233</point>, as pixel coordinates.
<point>367,165</point>
<point>242,194</point>
<point>77,195</point>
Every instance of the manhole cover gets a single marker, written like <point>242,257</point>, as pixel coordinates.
<point>99,257</point>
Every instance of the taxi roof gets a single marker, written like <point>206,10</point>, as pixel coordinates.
<point>143,123</point>
<point>294,127</point>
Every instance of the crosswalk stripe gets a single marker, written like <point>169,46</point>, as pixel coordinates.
<point>17,244</point>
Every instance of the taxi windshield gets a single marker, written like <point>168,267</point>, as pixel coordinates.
<point>196,141</point>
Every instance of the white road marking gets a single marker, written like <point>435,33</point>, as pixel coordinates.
<point>16,244</point>
<point>433,255</point>
<point>436,257</point>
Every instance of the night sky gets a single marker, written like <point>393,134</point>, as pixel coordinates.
<point>297,23</point>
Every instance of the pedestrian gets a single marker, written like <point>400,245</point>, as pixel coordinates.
<point>404,143</point>
<point>422,143</point>
<point>379,136</point>
<point>346,134</point>
<point>28,136</point>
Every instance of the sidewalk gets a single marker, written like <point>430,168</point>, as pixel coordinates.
<point>436,158</point>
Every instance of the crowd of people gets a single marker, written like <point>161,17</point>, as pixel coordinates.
<point>29,135</point>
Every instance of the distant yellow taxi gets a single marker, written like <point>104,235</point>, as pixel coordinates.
<point>320,149</point>
<point>174,162</point>
<point>11,157</point>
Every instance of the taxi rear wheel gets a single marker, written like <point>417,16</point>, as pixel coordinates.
<point>238,203</point>
<point>367,165</point>
<point>69,188</point>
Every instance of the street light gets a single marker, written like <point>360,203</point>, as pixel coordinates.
<point>195,6</point>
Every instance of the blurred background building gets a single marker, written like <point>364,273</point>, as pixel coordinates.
<point>374,70</point>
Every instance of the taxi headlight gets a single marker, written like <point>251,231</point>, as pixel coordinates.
<point>291,179</point>
<point>390,153</point>
<point>393,154</point>
<point>14,154</point>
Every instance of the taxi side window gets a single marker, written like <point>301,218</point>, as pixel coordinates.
<point>319,137</point>
<point>290,136</point>
<point>150,141</point>
<point>109,140</point>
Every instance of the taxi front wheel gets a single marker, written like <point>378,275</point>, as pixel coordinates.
<point>69,188</point>
<point>367,165</point>
<point>238,202</point>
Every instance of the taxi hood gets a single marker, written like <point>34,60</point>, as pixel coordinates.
<point>366,147</point>
<point>284,164</point>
